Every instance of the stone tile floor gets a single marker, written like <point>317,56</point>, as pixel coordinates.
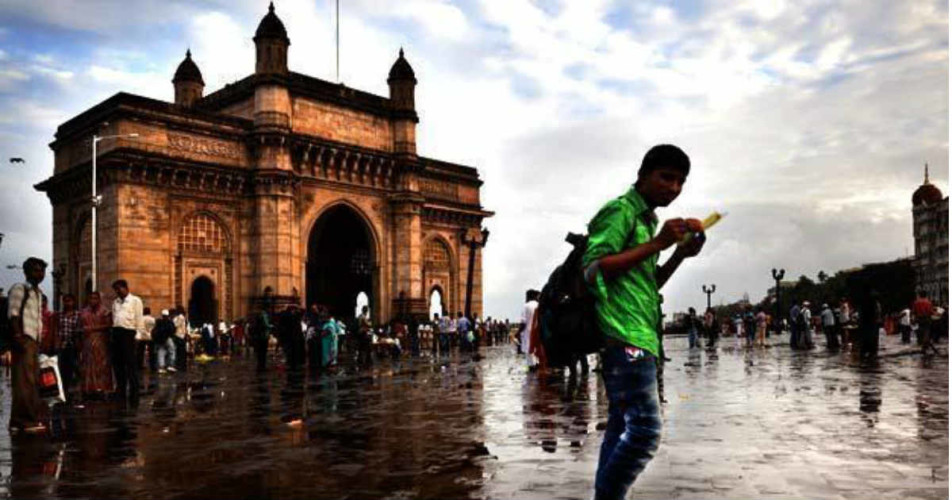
<point>738,424</point>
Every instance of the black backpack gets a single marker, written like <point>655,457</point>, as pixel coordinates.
<point>566,310</point>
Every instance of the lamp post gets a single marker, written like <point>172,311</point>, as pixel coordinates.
<point>708,291</point>
<point>777,276</point>
<point>96,199</point>
<point>472,242</point>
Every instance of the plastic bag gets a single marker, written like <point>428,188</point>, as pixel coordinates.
<point>50,381</point>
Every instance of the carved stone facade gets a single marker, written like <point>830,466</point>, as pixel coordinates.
<point>278,188</point>
<point>930,227</point>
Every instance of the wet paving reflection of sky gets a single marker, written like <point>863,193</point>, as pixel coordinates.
<point>764,424</point>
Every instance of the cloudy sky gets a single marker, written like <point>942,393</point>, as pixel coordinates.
<point>809,122</point>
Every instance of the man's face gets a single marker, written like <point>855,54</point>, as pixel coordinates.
<point>94,300</point>
<point>121,291</point>
<point>662,186</point>
<point>35,274</point>
<point>69,303</point>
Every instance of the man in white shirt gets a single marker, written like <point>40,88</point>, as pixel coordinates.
<point>528,313</point>
<point>144,340</point>
<point>127,319</point>
<point>905,325</point>
<point>25,312</point>
<point>829,327</point>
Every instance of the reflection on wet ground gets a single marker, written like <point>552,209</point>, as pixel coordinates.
<point>738,424</point>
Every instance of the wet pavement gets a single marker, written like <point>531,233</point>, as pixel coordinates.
<point>738,424</point>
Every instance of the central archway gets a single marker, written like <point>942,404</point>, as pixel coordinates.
<point>341,261</point>
<point>202,306</point>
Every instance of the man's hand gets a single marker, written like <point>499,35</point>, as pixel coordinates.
<point>671,232</point>
<point>693,246</point>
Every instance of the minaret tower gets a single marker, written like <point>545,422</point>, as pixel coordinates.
<point>275,250</point>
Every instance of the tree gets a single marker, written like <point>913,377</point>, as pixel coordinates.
<point>822,277</point>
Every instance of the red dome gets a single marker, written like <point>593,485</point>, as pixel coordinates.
<point>927,193</point>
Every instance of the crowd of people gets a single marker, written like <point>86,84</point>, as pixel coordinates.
<point>101,348</point>
<point>842,326</point>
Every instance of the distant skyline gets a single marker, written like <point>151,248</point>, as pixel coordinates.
<point>809,122</point>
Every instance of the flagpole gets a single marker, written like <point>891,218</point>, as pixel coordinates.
<point>338,41</point>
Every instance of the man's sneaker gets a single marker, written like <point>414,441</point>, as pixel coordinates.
<point>172,369</point>
<point>161,371</point>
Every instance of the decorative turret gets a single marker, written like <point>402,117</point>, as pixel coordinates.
<point>271,43</point>
<point>188,82</point>
<point>402,83</point>
<point>927,192</point>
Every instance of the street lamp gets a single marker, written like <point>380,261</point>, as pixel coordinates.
<point>777,276</point>
<point>481,241</point>
<point>96,199</point>
<point>708,291</point>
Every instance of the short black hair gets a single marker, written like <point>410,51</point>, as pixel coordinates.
<point>33,261</point>
<point>665,156</point>
<point>120,284</point>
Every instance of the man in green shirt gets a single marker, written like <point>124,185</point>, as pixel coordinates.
<point>621,268</point>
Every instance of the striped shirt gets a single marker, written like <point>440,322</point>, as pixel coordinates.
<point>29,299</point>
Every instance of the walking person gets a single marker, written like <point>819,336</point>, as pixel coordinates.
<point>25,314</point>
<point>364,337</point>
<point>162,343</point>
<point>528,314</point>
<point>95,366</point>
<point>844,317</point>
<point>69,329</point>
<point>905,325</point>
<point>127,316</point>
<point>923,309</point>
<point>260,334</point>
<point>621,268</point>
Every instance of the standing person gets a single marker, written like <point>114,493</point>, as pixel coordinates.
<point>95,366</point>
<point>464,326</point>
<point>795,318</point>
<point>25,313</point>
<point>528,314</point>
<point>126,321</point>
<point>870,321</point>
<point>923,309</point>
<point>711,328</point>
<point>144,340</point>
<point>844,317</point>
<point>70,333</point>
<point>738,330</point>
<point>364,337</point>
<point>260,334</point>
<point>162,342</point>
<point>761,320</point>
<point>621,268</point>
<point>905,325</point>
<point>829,327</point>
<point>693,325</point>
<point>750,325</point>
<point>181,338</point>
<point>806,326</point>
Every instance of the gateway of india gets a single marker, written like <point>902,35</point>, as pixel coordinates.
<point>279,188</point>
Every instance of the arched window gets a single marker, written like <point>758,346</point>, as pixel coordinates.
<point>201,233</point>
<point>436,302</point>
<point>436,255</point>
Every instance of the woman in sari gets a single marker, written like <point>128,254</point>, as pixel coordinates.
<point>94,357</point>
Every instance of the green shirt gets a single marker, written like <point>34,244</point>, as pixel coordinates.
<point>627,305</point>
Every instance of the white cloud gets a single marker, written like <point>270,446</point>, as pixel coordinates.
<point>808,123</point>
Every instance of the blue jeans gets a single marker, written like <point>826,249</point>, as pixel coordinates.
<point>634,420</point>
<point>692,338</point>
<point>163,350</point>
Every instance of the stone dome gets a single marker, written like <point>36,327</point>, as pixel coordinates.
<point>271,27</point>
<point>188,71</point>
<point>401,71</point>
<point>927,193</point>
